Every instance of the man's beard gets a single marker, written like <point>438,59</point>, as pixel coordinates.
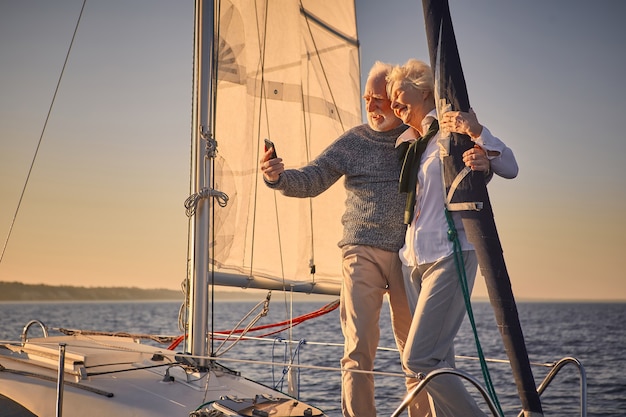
<point>383,124</point>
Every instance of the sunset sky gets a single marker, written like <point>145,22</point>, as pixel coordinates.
<point>104,204</point>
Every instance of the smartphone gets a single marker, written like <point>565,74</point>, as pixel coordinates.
<point>269,144</point>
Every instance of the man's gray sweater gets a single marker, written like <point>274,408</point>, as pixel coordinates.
<point>371,165</point>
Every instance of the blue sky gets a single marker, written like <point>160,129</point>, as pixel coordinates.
<point>544,76</point>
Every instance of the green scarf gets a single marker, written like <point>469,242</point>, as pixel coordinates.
<point>410,169</point>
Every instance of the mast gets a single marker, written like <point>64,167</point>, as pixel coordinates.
<point>479,223</point>
<point>203,148</point>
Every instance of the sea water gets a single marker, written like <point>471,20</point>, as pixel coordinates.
<point>594,333</point>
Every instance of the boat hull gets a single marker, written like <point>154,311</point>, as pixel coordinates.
<point>108,375</point>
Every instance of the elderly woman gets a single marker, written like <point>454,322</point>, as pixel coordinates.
<point>430,274</point>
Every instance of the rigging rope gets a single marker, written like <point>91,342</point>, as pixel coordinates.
<point>286,324</point>
<point>287,359</point>
<point>460,267</point>
<point>263,313</point>
<point>43,130</point>
<point>191,203</point>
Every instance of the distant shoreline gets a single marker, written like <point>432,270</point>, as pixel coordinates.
<point>17,291</point>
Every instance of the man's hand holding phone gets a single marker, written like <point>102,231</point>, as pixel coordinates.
<point>270,145</point>
<point>271,165</point>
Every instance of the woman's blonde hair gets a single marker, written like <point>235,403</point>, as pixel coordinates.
<point>414,73</point>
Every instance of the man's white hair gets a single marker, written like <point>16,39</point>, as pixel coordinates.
<point>380,69</point>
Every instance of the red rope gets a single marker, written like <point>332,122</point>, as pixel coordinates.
<point>286,324</point>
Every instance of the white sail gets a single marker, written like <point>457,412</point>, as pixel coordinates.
<point>288,71</point>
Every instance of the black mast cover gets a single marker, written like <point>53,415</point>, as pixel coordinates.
<point>479,225</point>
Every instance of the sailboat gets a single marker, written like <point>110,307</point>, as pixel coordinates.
<point>259,68</point>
